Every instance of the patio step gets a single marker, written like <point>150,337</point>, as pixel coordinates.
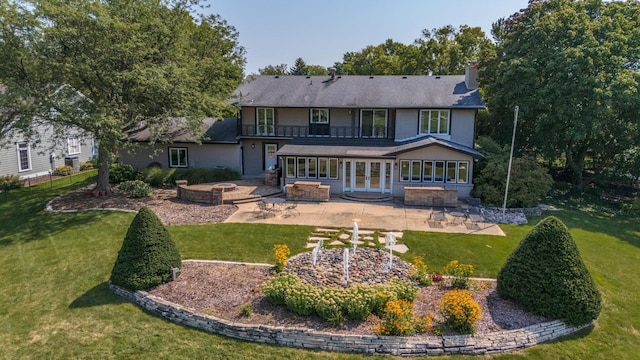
<point>254,198</point>
<point>367,197</point>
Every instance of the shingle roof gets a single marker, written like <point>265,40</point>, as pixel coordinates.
<point>351,91</point>
<point>382,150</point>
<point>216,131</point>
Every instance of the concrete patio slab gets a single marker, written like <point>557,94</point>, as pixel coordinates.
<point>388,216</point>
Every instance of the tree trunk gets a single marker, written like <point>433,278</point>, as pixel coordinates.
<point>105,156</point>
<point>576,163</point>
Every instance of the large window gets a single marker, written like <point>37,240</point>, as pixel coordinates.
<point>434,171</point>
<point>319,116</point>
<point>24,157</point>
<point>434,122</point>
<point>312,168</point>
<point>265,121</point>
<point>73,146</point>
<point>178,157</point>
<point>374,123</point>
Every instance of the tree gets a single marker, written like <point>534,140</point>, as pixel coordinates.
<point>529,180</point>
<point>299,67</point>
<point>127,66</point>
<point>546,275</point>
<point>274,70</point>
<point>569,66</point>
<point>148,254</point>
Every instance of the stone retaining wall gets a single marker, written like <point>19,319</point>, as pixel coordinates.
<point>369,344</point>
<point>430,196</point>
<point>212,196</point>
<point>307,191</point>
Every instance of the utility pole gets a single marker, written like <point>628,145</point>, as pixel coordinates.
<point>513,140</point>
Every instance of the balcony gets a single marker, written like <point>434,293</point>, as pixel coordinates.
<point>294,131</point>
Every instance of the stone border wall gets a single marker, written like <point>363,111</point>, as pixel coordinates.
<point>307,191</point>
<point>369,344</point>
<point>212,196</point>
<point>430,196</point>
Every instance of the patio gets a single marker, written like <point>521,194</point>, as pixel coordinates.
<point>392,215</point>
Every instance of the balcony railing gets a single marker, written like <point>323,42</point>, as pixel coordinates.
<point>295,131</point>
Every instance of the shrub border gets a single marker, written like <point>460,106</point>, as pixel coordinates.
<point>478,344</point>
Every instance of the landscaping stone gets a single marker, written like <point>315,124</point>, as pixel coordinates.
<point>336,242</point>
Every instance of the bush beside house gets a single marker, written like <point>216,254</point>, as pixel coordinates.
<point>546,275</point>
<point>148,254</point>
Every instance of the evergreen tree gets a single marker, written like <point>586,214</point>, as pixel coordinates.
<point>148,254</point>
<point>545,274</point>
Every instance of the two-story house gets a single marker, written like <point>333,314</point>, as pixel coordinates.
<point>378,134</point>
<point>362,133</point>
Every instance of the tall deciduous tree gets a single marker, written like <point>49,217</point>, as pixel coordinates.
<point>274,70</point>
<point>136,64</point>
<point>569,65</point>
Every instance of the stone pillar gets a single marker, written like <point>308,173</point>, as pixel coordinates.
<point>271,178</point>
<point>216,196</point>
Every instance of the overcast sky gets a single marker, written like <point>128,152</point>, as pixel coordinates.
<point>279,31</point>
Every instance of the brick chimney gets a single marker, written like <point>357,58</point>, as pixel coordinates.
<point>471,75</point>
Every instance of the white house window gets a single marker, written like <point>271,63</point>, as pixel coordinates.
<point>265,121</point>
<point>434,122</point>
<point>439,171</point>
<point>312,167</point>
<point>291,167</point>
<point>427,171</point>
<point>319,116</point>
<point>457,172</point>
<point>415,170</point>
<point>405,170</point>
<point>73,146</point>
<point>24,157</point>
<point>373,123</point>
<point>333,168</point>
<point>178,157</point>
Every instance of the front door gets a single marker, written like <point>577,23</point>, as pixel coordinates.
<point>270,158</point>
<point>367,175</point>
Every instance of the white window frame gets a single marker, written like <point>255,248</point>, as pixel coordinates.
<point>291,172</point>
<point>186,157</point>
<point>262,125</point>
<point>333,164</point>
<point>317,118</point>
<point>373,125</point>
<point>412,176</point>
<point>23,147</point>
<point>408,165</point>
<point>426,116</point>
<point>73,146</point>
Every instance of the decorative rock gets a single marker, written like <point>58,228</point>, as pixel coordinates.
<point>322,230</point>
<point>369,238</point>
<point>371,243</point>
<point>401,248</point>
<point>344,236</point>
<point>318,238</point>
<point>336,242</point>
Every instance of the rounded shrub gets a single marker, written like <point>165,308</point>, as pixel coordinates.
<point>124,172</point>
<point>136,188</point>
<point>148,254</point>
<point>546,275</point>
<point>460,311</point>
<point>275,289</point>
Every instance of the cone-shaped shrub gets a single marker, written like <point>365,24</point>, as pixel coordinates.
<point>545,274</point>
<point>148,254</point>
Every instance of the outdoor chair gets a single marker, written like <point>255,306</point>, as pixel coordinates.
<point>263,210</point>
<point>291,208</point>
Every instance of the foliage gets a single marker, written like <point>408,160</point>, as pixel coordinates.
<point>135,65</point>
<point>443,51</point>
<point>136,188</point>
<point>281,254</point>
<point>418,271</point>
<point>299,67</point>
<point>148,254</point>
<point>201,175</point>
<point>357,300</point>
<point>529,181</point>
<point>460,274</point>
<point>300,298</point>
<point>64,170</point>
<point>436,277</point>
<point>274,70</point>
<point>460,311</point>
<point>329,304</point>
<point>246,310</point>
<point>577,88</point>
<point>275,289</point>
<point>398,320</point>
<point>9,182</point>
<point>157,177</point>
<point>383,295</point>
<point>545,274</point>
<point>87,165</point>
<point>121,172</point>
<point>633,209</point>
<point>403,289</point>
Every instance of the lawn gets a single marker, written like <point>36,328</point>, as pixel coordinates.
<point>56,303</point>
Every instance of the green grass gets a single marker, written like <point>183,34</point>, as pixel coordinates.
<point>56,303</point>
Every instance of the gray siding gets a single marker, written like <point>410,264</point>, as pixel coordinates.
<point>406,123</point>
<point>463,127</point>
<point>198,156</point>
<point>40,153</point>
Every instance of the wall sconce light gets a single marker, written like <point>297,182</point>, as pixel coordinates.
<point>253,146</point>
<point>395,164</point>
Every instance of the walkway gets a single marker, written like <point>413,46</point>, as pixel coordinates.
<point>391,216</point>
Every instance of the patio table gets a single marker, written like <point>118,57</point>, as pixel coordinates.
<point>276,203</point>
